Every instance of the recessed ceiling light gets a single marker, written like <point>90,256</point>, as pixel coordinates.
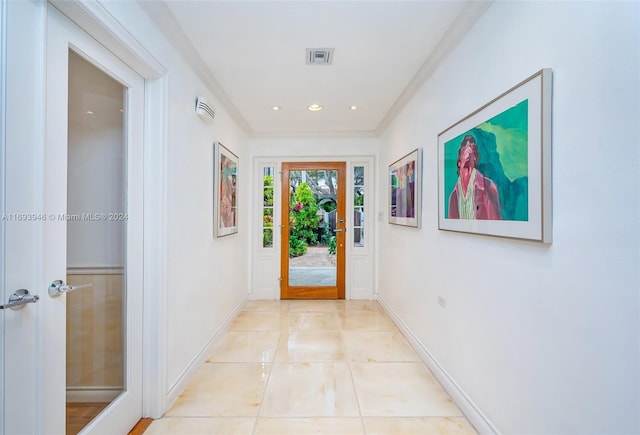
<point>276,108</point>
<point>89,112</point>
<point>315,107</point>
<point>353,107</point>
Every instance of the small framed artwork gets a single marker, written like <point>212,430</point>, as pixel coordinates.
<point>494,166</point>
<point>405,185</point>
<point>225,191</point>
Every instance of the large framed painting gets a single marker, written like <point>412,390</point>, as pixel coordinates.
<point>405,184</point>
<point>225,191</point>
<point>494,166</point>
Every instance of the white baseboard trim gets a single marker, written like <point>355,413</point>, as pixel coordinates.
<point>93,394</point>
<point>475,416</point>
<point>187,374</point>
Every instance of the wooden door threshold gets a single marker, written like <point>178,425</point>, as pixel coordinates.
<point>141,426</point>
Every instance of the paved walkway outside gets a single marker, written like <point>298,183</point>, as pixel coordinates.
<point>316,256</point>
<point>315,268</point>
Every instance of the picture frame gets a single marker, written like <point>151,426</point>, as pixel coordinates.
<point>405,190</point>
<point>510,168</point>
<point>225,184</point>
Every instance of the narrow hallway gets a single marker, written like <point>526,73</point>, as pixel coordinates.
<point>323,367</point>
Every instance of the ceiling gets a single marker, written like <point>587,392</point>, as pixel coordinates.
<point>253,55</point>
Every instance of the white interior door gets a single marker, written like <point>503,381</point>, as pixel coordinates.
<point>93,189</point>
<point>21,131</point>
<point>71,213</point>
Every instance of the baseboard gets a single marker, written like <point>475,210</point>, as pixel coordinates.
<point>93,394</point>
<point>475,416</point>
<point>187,374</point>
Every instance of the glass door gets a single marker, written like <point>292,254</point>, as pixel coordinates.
<point>96,242</point>
<point>313,233</point>
<point>93,252</point>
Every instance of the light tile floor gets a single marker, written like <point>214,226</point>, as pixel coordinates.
<point>313,367</point>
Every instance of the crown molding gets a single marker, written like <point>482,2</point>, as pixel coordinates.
<point>160,14</point>
<point>95,19</point>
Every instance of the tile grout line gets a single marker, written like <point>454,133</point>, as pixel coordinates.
<point>272,364</point>
<point>352,359</point>
<point>343,334</point>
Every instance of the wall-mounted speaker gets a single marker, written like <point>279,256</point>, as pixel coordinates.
<point>204,110</point>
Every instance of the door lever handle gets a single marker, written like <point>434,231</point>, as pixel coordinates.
<point>19,299</point>
<point>339,230</point>
<point>58,287</point>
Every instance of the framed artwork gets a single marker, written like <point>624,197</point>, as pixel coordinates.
<point>225,200</point>
<point>494,166</point>
<point>405,185</point>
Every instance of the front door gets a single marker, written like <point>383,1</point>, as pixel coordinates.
<point>75,226</point>
<point>313,230</point>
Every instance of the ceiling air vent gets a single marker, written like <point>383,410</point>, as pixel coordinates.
<point>319,56</point>
<point>204,110</point>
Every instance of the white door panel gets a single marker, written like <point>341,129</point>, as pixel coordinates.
<point>21,136</point>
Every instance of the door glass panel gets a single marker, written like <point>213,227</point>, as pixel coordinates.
<point>312,223</point>
<point>358,206</point>
<point>267,207</point>
<point>96,244</point>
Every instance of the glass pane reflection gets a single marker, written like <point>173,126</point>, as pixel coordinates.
<point>96,241</point>
<point>312,222</point>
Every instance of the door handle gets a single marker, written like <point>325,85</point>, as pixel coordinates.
<point>58,287</point>
<point>339,230</point>
<point>19,299</point>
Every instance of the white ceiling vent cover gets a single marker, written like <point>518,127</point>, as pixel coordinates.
<point>204,110</point>
<point>319,56</point>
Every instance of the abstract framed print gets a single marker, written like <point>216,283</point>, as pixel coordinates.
<point>494,166</point>
<point>405,186</point>
<point>225,191</point>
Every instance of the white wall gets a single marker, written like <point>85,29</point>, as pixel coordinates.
<point>202,290</point>
<point>204,275</point>
<point>542,339</point>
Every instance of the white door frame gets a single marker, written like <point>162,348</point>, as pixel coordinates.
<point>265,262</point>
<point>98,22</point>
